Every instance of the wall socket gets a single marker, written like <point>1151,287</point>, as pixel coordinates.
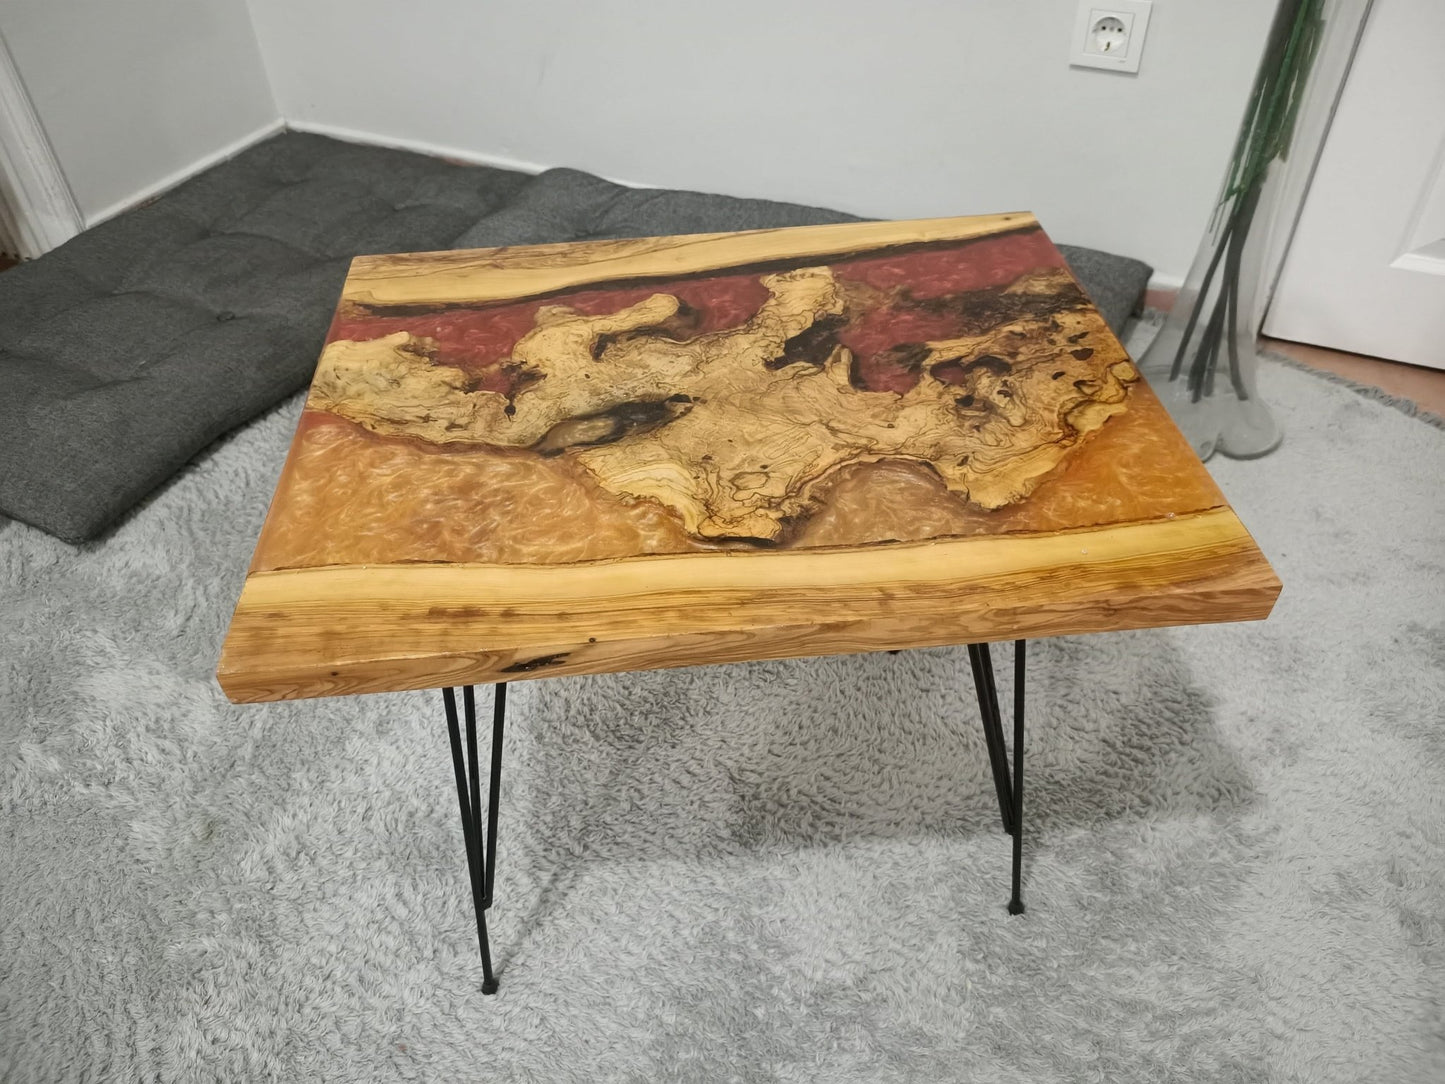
<point>1109,34</point>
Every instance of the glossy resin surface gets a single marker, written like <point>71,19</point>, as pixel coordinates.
<point>802,405</point>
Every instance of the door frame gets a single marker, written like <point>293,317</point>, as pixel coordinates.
<point>36,203</point>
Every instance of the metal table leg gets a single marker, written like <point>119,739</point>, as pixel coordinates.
<point>482,853</point>
<point>1010,791</point>
<point>481,857</point>
<point>1016,903</point>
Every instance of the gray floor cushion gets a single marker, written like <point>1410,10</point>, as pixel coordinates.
<point>127,350</point>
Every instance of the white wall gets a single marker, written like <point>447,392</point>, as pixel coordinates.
<point>134,94</point>
<point>907,108</point>
<point>917,107</point>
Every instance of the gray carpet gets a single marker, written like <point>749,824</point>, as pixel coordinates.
<point>784,871</point>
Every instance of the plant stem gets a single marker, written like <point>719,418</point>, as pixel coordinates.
<point>1208,351</point>
<point>1203,293</point>
<point>1223,318</point>
<point>1248,206</point>
<point>1264,136</point>
<point>1231,336</point>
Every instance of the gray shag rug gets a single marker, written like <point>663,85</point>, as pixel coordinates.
<point>782,871</point>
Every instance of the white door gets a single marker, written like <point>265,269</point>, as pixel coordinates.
<point>1366,268</point>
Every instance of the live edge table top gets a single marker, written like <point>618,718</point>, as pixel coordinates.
<point>621,455</point>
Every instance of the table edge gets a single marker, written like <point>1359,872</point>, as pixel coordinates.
<point>328,631</point>
<point>513,272</point>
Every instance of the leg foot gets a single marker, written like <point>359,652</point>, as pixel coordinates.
<point>1015,907</point>
<point>489,986</point>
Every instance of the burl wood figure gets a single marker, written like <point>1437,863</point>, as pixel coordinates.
<point>712,443</point>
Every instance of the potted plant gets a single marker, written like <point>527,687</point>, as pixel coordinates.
<point>1203,364</point>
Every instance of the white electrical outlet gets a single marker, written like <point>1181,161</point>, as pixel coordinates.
<point>1109,34</point>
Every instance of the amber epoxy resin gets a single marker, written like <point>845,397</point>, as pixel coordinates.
<point>615,455</point>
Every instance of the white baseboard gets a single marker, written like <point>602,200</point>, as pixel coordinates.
<point>1158,282</point>
<point>437,150</point>
<point>185,173</point>
<point>421,146</point>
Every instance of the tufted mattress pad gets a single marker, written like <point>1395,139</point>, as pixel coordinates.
<point>127,350</point>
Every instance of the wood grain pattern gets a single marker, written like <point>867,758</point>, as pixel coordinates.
<point>736,430</point>
<point>424,625</point>
<point>467,277</point>
<point>582,458</point>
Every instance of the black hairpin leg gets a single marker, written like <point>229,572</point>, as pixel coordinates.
<point>481,858</point>
<point>1010,792</point>
<point>1016,902</point>
<point>982,663</point>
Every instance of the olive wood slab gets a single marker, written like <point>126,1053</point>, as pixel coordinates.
<point>602,456</point>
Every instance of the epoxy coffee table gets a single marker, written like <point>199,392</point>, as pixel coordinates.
<point>619,455</point>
